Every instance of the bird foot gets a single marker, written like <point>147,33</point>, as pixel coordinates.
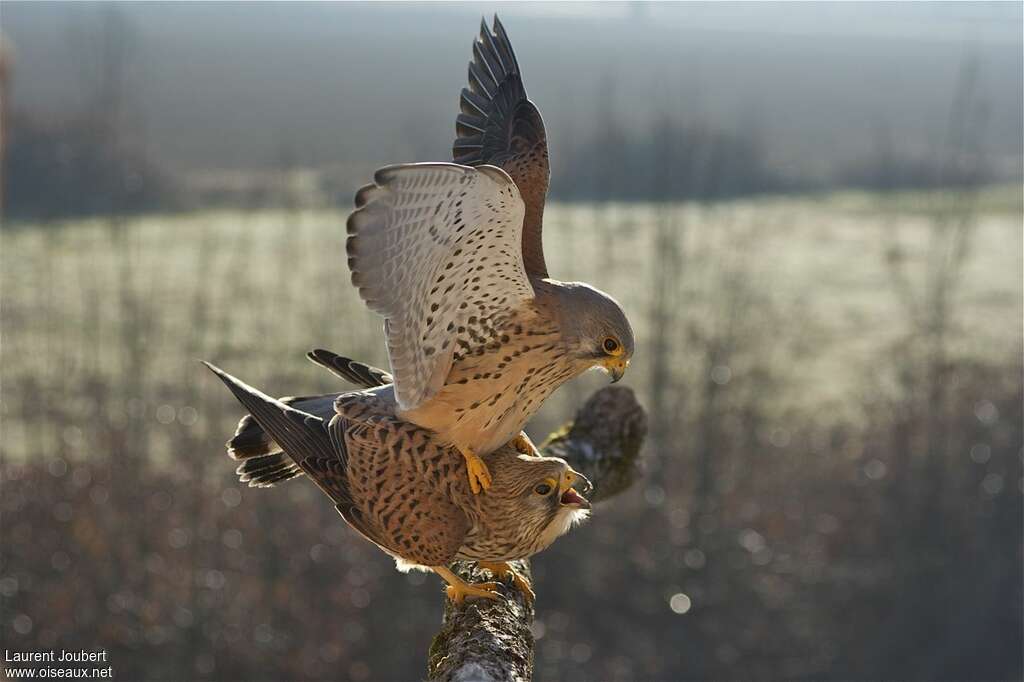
<point>479,475</point>
<point>458,593</point>
<point>502,570</point>
<point>523,445</point>
<point>458,589</point>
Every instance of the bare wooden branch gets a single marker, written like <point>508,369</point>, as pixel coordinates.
<point>491,641</point>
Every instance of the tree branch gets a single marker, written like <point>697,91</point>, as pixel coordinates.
<point>491,641</point>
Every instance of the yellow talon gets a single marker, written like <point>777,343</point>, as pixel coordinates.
<point>502,570</point>
<point>458,589</point>
<point>481,590</point>
<point>479,475</point>
<point>523,445</point>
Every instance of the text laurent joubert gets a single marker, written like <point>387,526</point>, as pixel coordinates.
<point>80,656</point>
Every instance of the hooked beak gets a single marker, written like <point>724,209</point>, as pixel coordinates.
<point>616,368</point>
<point>569,495</point>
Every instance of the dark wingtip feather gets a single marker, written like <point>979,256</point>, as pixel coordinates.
<point>468,143</point>
<point>473,124</point>
<point>489,104</point>
<point>479,78</point>
<point>358,373</point>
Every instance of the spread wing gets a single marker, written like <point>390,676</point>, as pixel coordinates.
<point>498,125</point>
<point>435,249</point>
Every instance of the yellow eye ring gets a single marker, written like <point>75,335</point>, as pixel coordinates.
<point>546,487</point>
<point>611,346</point>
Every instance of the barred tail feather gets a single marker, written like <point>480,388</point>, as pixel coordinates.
<point>265,471</point>
<point>305,438</point>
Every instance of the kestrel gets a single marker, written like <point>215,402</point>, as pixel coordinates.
<point>406,492</point>
<point>450,254</point>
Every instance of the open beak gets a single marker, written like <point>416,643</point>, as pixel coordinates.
<point>616,368</point>
<point>570,497</point>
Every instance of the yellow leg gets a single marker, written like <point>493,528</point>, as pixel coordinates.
<point>524,445</point>
<point>502,570</point>
<point>458,589</point>
<point>479,476</point>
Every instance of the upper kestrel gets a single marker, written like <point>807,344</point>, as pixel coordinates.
<point>450,255</point>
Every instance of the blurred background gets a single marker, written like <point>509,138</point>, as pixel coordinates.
<point>811,212</point>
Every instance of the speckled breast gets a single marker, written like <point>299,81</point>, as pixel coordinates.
<point>493,389</point>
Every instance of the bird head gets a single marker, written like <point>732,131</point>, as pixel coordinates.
<point>542,492</point>
<point>595,329</point>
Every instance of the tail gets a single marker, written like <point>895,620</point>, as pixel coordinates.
<point>262,462</point>
<point>354,372</point>
<point>314,446</point>
<point>267,470</point>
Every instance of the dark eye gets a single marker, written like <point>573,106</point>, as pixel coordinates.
<point>542,489</point>
<point>610,345</point>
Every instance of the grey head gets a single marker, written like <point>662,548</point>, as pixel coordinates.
<point>594,329</point>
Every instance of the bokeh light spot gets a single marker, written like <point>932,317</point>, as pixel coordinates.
<point>231,497</point>
<point>165,414</point>
<point>188,415</point>
<point>986,412</point>
<point>22,624</point>
<point>980,453</point>
<point>875,469</point>
<point>679,603</point>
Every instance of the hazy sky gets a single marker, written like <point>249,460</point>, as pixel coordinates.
<point>216,85</point>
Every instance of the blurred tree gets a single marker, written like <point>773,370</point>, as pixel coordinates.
<point>91,161</point>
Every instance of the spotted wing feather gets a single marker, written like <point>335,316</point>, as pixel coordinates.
<point>435,248</point>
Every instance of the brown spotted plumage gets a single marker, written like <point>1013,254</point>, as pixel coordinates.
<point>450,255</point>
<point>408,493</point>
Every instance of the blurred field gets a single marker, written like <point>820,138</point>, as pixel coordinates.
<point>833,479</point>
<point>254,291</point>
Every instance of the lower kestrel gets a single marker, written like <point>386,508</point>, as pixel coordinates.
<point>408,493</point>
